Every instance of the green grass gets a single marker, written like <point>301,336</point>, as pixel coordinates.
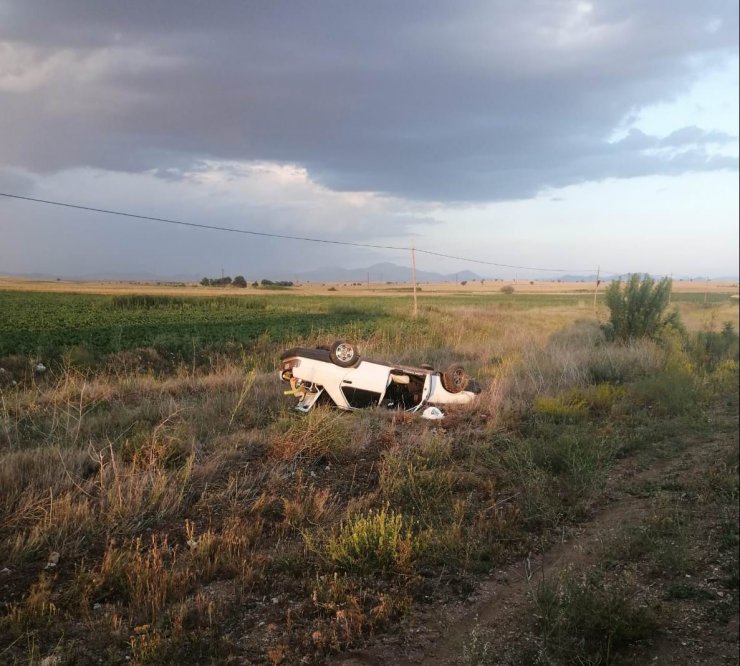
<point>46,324</point>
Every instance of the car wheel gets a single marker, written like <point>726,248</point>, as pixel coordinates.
<point>455,378</point>
<point>344,354</point>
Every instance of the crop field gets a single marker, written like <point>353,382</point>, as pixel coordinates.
<point>47,324</point>
<point>160,501</point>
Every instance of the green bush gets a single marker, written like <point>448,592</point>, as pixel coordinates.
<point>711,348</point>
<point>566,408</point>
<point>638,308</point>
<point>380,541</point>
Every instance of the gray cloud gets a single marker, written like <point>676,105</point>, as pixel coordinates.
<point>464,101</point>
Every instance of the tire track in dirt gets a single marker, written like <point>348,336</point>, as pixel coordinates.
<point>502,603</point>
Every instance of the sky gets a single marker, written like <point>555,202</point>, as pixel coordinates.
<point>543,134</point>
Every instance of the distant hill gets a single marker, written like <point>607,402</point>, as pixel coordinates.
<point>609,278</point>
<point>383,272</point>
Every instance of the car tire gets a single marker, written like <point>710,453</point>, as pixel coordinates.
<point>455,378</point>
<point>344,354</point>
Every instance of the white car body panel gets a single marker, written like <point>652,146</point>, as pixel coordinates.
<point>440,396</point>
<point>311,373</point>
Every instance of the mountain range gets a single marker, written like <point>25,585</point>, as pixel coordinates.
<point>383,272</point>
<point>377,273</point>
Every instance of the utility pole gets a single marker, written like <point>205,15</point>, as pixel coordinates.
<point>368,279</point>
<point>670,293</point>
<point>598,282</point>
<point>413,277</point>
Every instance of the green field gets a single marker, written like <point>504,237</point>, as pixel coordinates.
<point>47,324</point>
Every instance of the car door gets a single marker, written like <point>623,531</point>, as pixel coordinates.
<point>365,385</point>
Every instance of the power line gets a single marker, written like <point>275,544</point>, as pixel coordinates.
<point>200,226</point>
<point>265,234</point>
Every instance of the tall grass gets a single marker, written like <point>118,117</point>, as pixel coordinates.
<point>178,490</point>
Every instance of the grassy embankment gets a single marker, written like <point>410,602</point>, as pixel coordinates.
<point>195,517</point>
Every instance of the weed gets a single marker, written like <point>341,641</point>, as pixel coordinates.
<point>589,618</point>
<point>561,409</point>
<point>558,476</point>
<point>37,609</point>
<point>308,505</point>
<point>380,541</point>
<point>419,482</point>
<point>671,392</point>
<point>682,590</point>
<point>320,434</point>
<point>476,649</point>
<point>661,540</point>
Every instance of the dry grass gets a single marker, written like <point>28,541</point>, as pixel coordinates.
<point>322,289</point>
<point>197,518</point>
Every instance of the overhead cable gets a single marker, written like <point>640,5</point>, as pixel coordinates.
<point>265,234</point>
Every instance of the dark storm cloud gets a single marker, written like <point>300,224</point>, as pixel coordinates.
<point>445,101</point>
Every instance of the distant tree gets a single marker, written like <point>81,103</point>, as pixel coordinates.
<point>463,283</point>
<point>205,282</point>
<point>507,289</point>
<point>255,284</point>
<point>239,281</point>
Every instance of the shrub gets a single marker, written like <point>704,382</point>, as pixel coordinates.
<point>507,289</point>
<point>380,541</point>
<point>638,309</point>
<point>710,348</point>
<point>563,408</point>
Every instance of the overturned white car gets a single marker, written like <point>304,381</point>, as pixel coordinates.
<point>339,376</point>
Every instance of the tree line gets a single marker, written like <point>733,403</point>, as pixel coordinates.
<point>239,281</point>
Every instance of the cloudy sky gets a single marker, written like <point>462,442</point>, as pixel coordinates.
<point>545,133</point>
